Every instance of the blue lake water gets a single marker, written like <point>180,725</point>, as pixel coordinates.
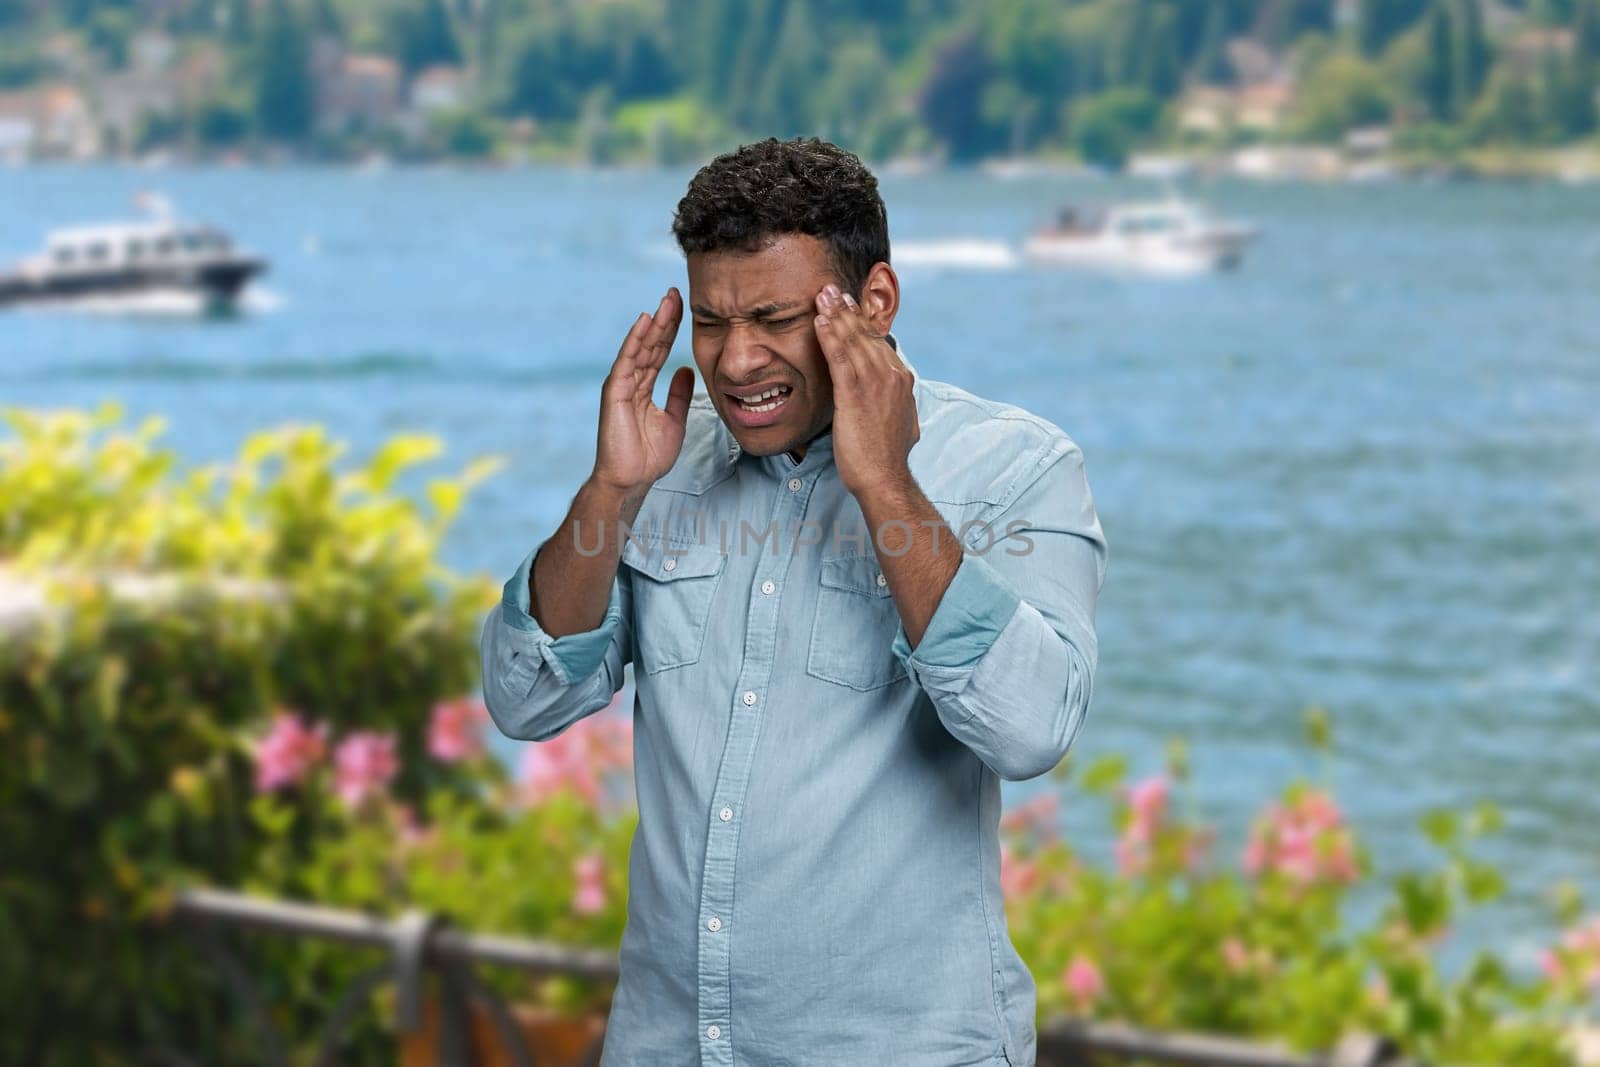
<point>1363,472</point>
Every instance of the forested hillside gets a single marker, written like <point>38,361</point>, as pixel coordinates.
<point>671,78</point>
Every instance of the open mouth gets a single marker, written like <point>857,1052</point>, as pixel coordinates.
<point>767,400</point>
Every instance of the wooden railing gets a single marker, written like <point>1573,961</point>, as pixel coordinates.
<point>419,943</point>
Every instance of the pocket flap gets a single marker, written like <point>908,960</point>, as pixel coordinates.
<point>859,574</point>
<point>666,561</point>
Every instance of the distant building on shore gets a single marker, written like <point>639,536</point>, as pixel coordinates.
<point>49,122</point>
<point>1259,108</point>
<point>354,90</point>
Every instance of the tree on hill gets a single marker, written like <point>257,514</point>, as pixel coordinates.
<point>238,22</point>
<point>1211,64</point>
<point>422,35</point>
<point>1470,54</point>
<point>1380,21</point>
<point>798,65</point>
<point>1438,74</point>
<point>1106,127</point>
<point>950,100</point>
<point>283,99</point>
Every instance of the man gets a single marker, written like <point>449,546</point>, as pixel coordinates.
<point>854,599</point>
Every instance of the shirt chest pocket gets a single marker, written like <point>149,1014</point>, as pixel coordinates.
<point>672,590</point>
<point>852,639</point>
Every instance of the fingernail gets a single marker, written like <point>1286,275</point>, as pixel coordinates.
<point>849,300</point>
<point>832,290</point>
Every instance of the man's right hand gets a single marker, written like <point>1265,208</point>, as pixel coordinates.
<point>569,588</point>
<point>639,442</point>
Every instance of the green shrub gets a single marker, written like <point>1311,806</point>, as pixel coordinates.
<point>127,724</point>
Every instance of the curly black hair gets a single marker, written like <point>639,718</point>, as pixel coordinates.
<point>807,185</point>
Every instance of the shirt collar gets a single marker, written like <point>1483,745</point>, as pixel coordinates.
<point>819,452</point>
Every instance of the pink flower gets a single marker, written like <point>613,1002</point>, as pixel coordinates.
<point>555,764</point>
<point>1017,876</point>
<point>1039,816</point>
<point>412,832</point>
<point>1083,982</point>
<point>577,759</point>
<point>1196,846</point>
<point>364,763</point>
<point>1235,955</point>
<point>1305,841</point>
<point>1577,958</point>
<point>1255,856</point>
<point>589,871</point>
<point>455,731</point>
<point>1147,806</point>
<point>289,751</point>
<point>1131,855</point>
<point>1149,799</point>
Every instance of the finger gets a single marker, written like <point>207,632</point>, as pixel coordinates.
<point>657,344</point>
<point>663,332</point>
<point>630,342</point>
<point>850,321</point>
<point>652,363</point>
<point>623,379</point>
<point>836,350</point>
<point>847,329</point>
<point>868,341</point>
<point>679,394</point>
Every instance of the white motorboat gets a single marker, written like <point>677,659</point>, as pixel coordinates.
<point>1172,236</point>
<point>158,264</point>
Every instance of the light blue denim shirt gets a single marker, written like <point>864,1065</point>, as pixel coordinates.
<point>815,877</point>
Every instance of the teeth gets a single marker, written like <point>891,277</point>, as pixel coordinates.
<point>755,403</point>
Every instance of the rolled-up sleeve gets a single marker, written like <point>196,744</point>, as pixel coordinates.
<point>536,685</point>
<point>1008,657</point>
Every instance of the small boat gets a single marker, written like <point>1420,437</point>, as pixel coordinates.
<point>1172,236</point>
<point>157,264</point>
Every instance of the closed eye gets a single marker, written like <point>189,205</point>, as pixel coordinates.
<point>780,323</point>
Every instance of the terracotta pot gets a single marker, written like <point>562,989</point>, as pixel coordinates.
<point>553,1038</point>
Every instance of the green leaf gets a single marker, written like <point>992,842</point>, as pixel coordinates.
<point>398,453</point>
<point>1441,825</point>
<point>1319,728</point>
<point>1177,758</point>
<point>274,817</point>
<point>1486,819</point>
<point>1105,773</point>
<point>1481,882</point>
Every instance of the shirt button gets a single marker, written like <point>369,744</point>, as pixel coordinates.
<point>882,581</point>
<point>713,924</point>
<point>794,485</point>
<point>713,1031</point>
<point>769,587</point>
<point>749,698</point>
<point>725,814</point>
<point>670,565</point>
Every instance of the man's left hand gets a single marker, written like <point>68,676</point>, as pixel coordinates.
<point>874,409</point>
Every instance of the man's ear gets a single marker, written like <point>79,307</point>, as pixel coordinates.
<point>880,297</point>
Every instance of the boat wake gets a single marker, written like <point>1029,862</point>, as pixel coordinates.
<point>971,254</point>
<point>156,304</point>
<point>259,300</point>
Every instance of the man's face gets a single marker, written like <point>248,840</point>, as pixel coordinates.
<point>753,333</point>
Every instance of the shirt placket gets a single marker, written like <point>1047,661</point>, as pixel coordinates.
<point>748,703</point>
